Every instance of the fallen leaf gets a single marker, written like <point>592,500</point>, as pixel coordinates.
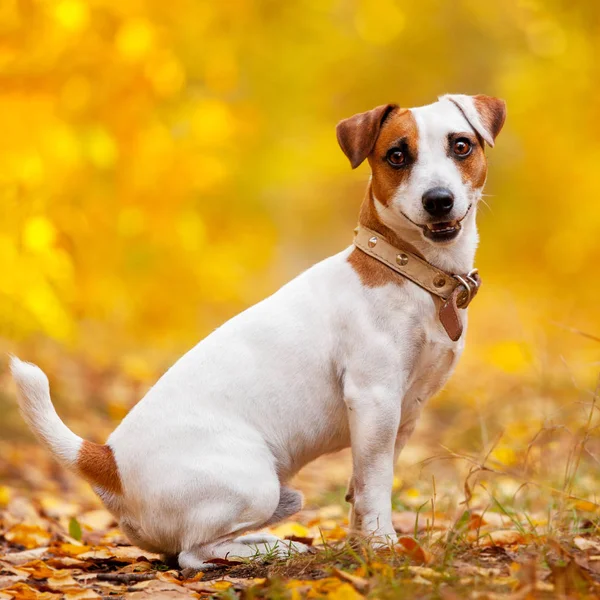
<point>98,520</point>
<point>38,569</point>
<point>62,580</point>
<point>30,536</point>
<point>22,591</point>
<point>81,595</point>
<point>344,592</point>
<point>307,541</point>
<point>586,544</point>
<point>334,535</point>
<point>21,558</point>
<point>160,590</point>
<point>224,561</point>
<point>290,529</point>
<point>360,583</point>
<point>425,572</point>
<point>421,580</point>
<point>7,581</point>
<point>75,529</point>
<point>410,547</point>
<point>502,537</point>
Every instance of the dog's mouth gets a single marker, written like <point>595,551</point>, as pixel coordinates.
<point>445,231</point>
<point>442,232</point>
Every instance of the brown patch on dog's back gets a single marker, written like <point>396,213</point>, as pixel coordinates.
<point>400,125</point>
<point>96,462</point>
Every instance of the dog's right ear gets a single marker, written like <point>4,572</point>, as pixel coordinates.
<point>357,135</point>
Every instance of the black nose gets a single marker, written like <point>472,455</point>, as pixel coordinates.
<point>438,202</point>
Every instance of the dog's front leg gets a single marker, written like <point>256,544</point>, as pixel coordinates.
<point>374,417</point>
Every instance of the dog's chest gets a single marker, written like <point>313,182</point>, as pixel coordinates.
<point>433,362</point>
<point>428,355</point>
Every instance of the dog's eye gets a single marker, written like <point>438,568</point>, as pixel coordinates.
<point>396,157</point>
<point>462,147</point>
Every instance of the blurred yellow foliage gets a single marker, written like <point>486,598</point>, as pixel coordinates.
<point>166,164</point>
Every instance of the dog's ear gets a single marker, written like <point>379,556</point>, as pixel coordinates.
<point>357,135</point>
<point>485,114</point>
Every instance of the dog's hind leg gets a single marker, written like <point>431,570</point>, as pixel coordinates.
<point>290,502</point>
<point>253,545</point>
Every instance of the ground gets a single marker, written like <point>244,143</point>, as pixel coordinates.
<point>494,497</point>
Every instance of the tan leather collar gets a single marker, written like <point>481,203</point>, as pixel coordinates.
<point>456,291</point>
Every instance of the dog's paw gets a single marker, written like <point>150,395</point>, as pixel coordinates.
<point>190,564</point>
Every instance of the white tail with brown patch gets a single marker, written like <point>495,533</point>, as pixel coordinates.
<point>94,462</point>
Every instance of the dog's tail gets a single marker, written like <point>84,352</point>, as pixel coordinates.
<point>94,462</point>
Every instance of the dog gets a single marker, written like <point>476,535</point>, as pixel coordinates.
<point>345,355</point>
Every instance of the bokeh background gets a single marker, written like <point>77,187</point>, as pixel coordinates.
<point>166,164</point>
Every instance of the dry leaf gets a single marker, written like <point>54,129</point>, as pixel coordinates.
<point>22,591</point>
<point>161,590</point>
<point>81,595</point>
<point>21,558</point>
<point>290,529</point>
<point>98,520</point>
<point>503,537</point>
<point>38,569</point>
<point>307,541</point>
<point>410,547</point>
<point>62,580</point>
<point>360,583</point>
<point>7,581</point>
<point>30,536</point>
<point>586,544</point>
<point>344,592</point>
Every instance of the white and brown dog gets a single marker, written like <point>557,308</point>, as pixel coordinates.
<point>343,355</point>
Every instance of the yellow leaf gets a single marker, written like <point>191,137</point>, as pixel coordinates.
<point>221,585</point>
<point>30,536</point>
<point>61,580</point>
<point>291,529</point>
<point>38,569</point>
<point>80,594</point>
<point>22,591</point>
<point>503,537</point>
<point>344,592</point>
<point>71,549</point>
<point>335,534</point>
<point>360,583</point>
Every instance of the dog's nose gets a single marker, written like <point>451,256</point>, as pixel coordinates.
<point>438,201</point>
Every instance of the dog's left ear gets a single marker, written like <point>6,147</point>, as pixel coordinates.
<point>485,114</point>
<point>357,135</point>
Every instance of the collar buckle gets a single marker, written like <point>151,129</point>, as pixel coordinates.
<point>469,286</point>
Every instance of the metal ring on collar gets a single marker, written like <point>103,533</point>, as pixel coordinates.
<point>466,284</point>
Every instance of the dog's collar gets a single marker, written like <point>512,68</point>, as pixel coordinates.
<point>456,291</point>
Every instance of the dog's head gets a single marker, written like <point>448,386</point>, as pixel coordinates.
<point>428,164</point>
